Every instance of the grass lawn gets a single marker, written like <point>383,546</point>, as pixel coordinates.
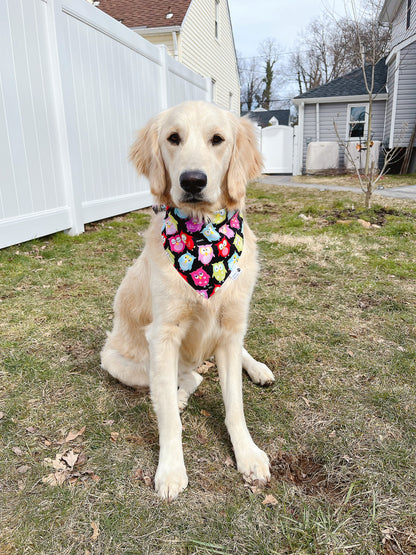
<point>351,180</point>
<point>333,315</point>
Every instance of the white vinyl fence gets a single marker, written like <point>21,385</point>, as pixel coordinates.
<point>75,85</point>
<point>276,145</point>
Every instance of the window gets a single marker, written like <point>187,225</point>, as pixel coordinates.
<point>217,18</point>
<point>357,121</point>
<point>409,7</point>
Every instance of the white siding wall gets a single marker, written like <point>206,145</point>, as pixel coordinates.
<point>75,86</point>
<point>217,58</point>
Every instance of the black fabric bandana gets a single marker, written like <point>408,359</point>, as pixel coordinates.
<point>204,253</point>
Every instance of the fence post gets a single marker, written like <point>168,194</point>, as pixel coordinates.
<point>164,97</point>
<point>60,67</point>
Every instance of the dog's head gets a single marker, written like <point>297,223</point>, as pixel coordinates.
<point>197,157</point>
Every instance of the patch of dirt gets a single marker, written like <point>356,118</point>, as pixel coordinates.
<point>396,542</point>
<point>377,216</point>
<point>304,471</point>
<point>262,207</point>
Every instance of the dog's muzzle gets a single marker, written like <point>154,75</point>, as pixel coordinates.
<point>193,183</point>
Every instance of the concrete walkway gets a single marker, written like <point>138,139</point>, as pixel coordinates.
<point>408,192</point>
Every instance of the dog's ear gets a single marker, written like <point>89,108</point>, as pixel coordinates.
<point>147,158</point>
<point>246,161</point>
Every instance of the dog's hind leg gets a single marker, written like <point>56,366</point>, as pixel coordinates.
<point>187,383</point>
<point>127,371</point>
<point>258,372</point>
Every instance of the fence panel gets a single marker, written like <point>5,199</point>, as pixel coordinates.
<point>32,199</point>
<point>75,86</point>
<point>277,149</point>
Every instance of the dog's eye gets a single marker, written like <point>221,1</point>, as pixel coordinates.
<point>174,139</point>
<point>217,139</point>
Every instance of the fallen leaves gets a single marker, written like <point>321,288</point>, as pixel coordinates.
<point>270,500</point>
<point>143,477</point>
<point>67,465</point>
<point>72,435</point>
<point>95,531</point>
<point>205,367</point>
<point>229,461</point>
<point>64,465</point>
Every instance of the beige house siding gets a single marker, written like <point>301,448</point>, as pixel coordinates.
<point>160,38</point>
<point>216,59</point>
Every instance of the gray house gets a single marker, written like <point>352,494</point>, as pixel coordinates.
<point>401,76</point>
<point>340,106</point>
<point>343,101</point>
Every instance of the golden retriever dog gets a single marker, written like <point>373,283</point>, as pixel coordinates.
<point>187,297</point>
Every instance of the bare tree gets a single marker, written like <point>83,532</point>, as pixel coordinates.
<point>260,76</point>
<point>269,53</point>
<point>329,48</point>
<point>367,40</point>
<point>250,81</point>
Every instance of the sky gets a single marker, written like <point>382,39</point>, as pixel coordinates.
<point>283,20</point>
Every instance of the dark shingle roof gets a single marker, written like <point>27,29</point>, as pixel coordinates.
<point>263,117</point>
<point>146,13</point>
<point>352,84</point>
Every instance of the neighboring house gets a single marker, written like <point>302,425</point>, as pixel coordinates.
<point>340,106</point>
<point>198,33</point>
<point>264,118</point>
<point>401,79</point>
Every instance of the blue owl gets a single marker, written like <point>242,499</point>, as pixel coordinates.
<point>233,261</point>
<point>186,261</point>
<point>180,214</point>
<point>211,233</point>
<point>218,271</point>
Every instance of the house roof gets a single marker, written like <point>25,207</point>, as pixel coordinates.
<point>264,116</point>
<point>146,13</point>
<point>351,84</point>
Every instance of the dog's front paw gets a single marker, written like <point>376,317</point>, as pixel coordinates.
<point>170,480</point>
<point>254,465</point>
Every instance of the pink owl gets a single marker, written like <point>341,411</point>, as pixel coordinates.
<point>223,248</point>
<point>171,225</point>
<point>193,225</point>
<point>234,222</point>
<point>200,277</point>
<point>176,243</point>
<point>205,254</point>
<point>225,230</point>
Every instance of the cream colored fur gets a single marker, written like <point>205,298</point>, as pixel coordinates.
<point>163,330</point>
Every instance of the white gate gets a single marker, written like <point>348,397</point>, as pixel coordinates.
<point>277,148</point>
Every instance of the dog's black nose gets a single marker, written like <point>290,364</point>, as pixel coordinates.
<point>193,181</point>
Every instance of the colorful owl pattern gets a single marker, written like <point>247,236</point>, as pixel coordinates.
<point>204,253</point>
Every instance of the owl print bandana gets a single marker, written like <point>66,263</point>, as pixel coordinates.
<point>205,253</point>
